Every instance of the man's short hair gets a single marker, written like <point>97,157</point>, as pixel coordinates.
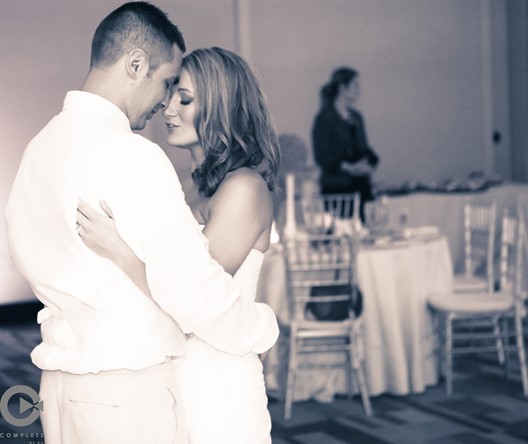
<point>135,25</point>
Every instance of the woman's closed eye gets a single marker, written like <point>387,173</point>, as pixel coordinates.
<point>186,97</point>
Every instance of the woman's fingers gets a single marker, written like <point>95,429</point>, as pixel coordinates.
<point>86,213</point>
<point>106,209</point>
<point>81,218</point>
<point>86,209</point>
<point>83,207</point>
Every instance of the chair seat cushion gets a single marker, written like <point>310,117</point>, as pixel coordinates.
<point>309,328</point>
<point>322,325</point>
<point>468,284</point>
<point>471,302</point>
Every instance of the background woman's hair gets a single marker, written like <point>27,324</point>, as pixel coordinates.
<point>341,76</point>
<point>135,25</point>
<point>232,120</point>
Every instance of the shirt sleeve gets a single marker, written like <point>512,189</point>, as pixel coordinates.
<point>183,278</point>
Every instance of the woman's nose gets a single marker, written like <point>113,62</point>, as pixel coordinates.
<point>169,110</point>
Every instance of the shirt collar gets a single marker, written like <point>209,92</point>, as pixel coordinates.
<point>93,102</point>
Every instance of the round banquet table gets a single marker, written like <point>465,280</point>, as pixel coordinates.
<point>398,339</point>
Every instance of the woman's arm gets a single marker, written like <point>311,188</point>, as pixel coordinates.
<point>100,234</point>
<point>361,168</point>
<point>370,156</point>
<point>239,218</point>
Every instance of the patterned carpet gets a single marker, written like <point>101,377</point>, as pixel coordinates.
<point>16,342</point>
<point>486,408</point>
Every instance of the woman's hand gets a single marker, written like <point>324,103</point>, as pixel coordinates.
<point>97,231</point>
<point>358,169</point>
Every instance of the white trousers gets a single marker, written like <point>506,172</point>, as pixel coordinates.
<point>122,406</point>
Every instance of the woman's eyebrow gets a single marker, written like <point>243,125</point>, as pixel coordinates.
<point>185,89</point>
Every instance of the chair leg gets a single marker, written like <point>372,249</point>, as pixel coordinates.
<point>360,379</point>
<point>499,341</point>
<point>519,332</point>
<point>448,350</point>
<point>507,347</point>
<point>350,372</point>
<point>290,379</point>
<point>438,335</point>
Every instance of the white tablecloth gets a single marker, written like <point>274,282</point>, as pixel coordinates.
<point>445,210</point>
<point>398,340</point>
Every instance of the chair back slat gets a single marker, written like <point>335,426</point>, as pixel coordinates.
<point>512,255</point>
<point>319,212</point>
<point>508,257</point>
<point>320,269</point>
<point>522,254</point>
<point>479,238</point>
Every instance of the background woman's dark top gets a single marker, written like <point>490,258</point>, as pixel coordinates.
<point>336,140</point>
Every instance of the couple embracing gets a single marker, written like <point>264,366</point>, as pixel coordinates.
<point>150,331</point>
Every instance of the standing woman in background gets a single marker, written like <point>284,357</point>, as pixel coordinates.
<point>339,139</point>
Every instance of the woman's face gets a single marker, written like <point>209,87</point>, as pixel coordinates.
<point>351,91</point>
<point>179,115</point>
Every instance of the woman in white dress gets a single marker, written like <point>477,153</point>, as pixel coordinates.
<point>218,112</point>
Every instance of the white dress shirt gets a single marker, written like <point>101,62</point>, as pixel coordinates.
<point>95,318</point>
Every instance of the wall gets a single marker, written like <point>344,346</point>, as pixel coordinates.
<point>420,63</point>
<point>518,59</point>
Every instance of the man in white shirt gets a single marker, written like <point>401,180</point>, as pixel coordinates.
<point>108,351</point>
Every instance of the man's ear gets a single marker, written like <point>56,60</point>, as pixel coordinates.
<point>137,63</point>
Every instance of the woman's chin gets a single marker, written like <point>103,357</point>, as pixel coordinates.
<point>177,145</point>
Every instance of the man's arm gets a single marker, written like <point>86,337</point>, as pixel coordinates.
<point>183,278</point>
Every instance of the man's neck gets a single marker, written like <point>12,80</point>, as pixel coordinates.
<point>104,84</point>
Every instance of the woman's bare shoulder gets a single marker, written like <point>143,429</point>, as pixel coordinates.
<point>244,183</point>
<point>244,204</point>
<point>246,186</point>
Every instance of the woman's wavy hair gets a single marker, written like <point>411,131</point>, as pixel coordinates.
<point>341,76</point>
<point>232,120</point>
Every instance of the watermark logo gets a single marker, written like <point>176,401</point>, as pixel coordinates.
<point>28,411</point>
